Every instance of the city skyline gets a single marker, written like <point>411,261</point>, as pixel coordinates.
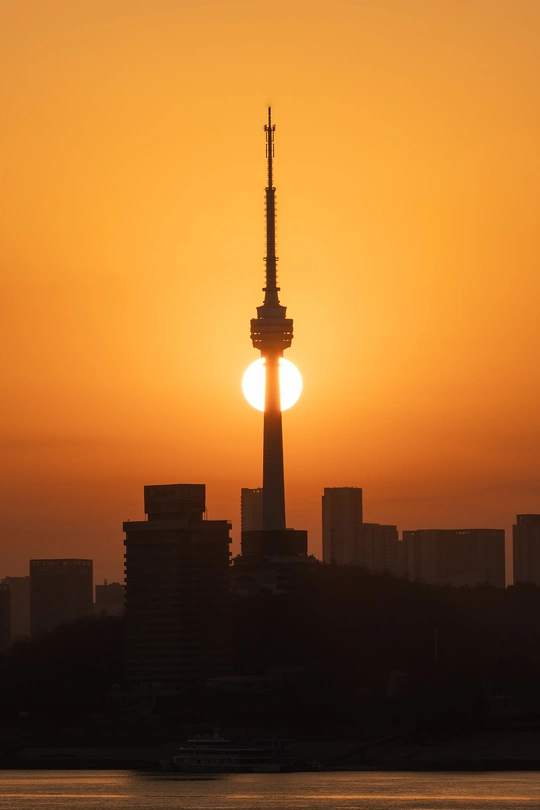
<point>131,254</point>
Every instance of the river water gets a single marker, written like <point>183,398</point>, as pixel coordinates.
<point>358,790</point>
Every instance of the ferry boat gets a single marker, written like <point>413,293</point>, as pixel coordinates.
<point>212,753</point>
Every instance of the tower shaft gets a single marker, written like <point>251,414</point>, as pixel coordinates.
<point>273,494</point>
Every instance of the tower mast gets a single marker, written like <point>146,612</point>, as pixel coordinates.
<point>272,333</point>
<point>271,290</point>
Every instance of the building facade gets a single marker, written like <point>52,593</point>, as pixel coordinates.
<point>456,556</point>
<point>377,548</point>
<point>60,591</point>
<point>5,617</point>
<point>526,548</point>
<point>341,524</point>
<point>251,510</point>
<point>177,590</point>
<point>19,588</point>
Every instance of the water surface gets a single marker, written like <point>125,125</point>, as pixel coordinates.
<point>359,790</point>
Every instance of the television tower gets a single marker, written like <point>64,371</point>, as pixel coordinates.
<point>272,333</point>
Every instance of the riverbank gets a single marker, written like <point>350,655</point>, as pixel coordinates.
<point>481,751</point>
<point>493,751</point>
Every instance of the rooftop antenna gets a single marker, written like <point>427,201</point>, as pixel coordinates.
<point>271,290</point>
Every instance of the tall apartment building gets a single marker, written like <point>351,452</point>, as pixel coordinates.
<point>456,556</point>
<point>342,524</point>
<point>251,509</point>
<point>526,548</point>
<point>177,590</point>
<point>377,549</point>
<point>60,591</point>
<point>19,588</point>
<point>5,618</point>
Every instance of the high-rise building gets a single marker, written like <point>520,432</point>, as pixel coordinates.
<point>19,588</point>
<point>251,510</point>
<point>456,556</point>
<point>423,554</point>
<point>342,524</point>
<point>177,590</point>
<point>378,548</point>
<point>109,599</point>
<point>272,333</point>
<point>60,591</point>
<point>526,548</point>
<point>5,618</point>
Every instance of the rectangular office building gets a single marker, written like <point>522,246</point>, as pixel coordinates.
<point>377,549</point>
<point>251,509</point>
<point>341,524</point>
<point>456,556</point>
<point>60,591</point>
<point>19,589</point>
<point>178,624</point>
<point>5,618</point>
<point>526,548</point>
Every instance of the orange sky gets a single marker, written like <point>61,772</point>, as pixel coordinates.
<point>131,244</point>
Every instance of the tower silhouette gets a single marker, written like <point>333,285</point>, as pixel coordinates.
<point>272,333</point>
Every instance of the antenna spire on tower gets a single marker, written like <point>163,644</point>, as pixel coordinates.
<point>270,128</point>
<point>271,289</point>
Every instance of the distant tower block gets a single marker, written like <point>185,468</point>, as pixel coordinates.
<point>19,589</point>
<point>456,556</point>
<point>526,548</point>
<point>5,617</point>
<point>272,333</point>
<point>60,591</point>
<point>251,509</point>
<point>342,524</point>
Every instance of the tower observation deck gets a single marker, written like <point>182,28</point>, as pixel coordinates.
<point>272,333</point>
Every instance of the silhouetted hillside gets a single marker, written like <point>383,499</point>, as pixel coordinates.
<point>342,647</point>
<point>65,671</point>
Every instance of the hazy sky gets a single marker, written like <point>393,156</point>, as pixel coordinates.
<point>131,244</point>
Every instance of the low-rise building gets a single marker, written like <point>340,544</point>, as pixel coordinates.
<point>456,556</point>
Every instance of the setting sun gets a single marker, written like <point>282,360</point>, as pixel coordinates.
<point>290,382</point>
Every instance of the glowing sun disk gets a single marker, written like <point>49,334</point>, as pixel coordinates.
<point>290,384</point>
